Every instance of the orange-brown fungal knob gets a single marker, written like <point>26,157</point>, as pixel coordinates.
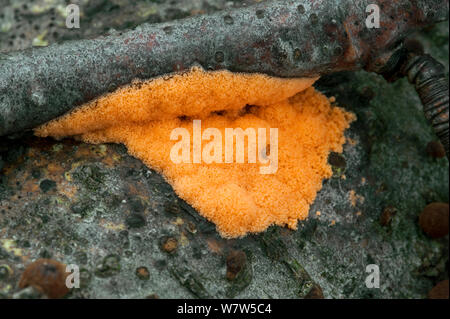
<point>435,149</point>
<point>47,276</point>
<point>440,291</point>
<point>236,261</point>
<point>387,215</point>
<point>143,273</point>
<point>315,292</point>
<point>434,220</point>
<point>169,244</point>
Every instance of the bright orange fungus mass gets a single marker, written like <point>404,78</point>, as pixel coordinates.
<point>235,196</point>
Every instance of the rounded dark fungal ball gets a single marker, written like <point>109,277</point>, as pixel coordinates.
<point>315,292</point>
<point>169,244</point>
<point>143,273</point>
<point>47,276</point>
<point>434,220</point>
<point>236,261</point>
<point>435,149</point>
<point>440,291</point>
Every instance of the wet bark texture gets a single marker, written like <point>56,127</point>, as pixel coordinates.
<point>289,38</point>
<point>99,208</point>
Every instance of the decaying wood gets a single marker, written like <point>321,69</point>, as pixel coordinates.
<point>280,38</point>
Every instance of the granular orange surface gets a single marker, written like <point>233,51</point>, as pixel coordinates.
<point>234,196</point>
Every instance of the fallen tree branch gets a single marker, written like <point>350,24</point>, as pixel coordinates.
<point>280,38</point>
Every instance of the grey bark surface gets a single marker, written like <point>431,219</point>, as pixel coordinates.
<point>289,38</point>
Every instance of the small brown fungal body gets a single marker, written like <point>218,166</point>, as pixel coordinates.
<point>142,273</point>
<point>434,220</point>
<point>435,149</point>
<point>315,293</point>
<point>47,276</point>
<point>169,244</point>
<point>236,261</point>
<point>387,215</point>
<point>440,291</point>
